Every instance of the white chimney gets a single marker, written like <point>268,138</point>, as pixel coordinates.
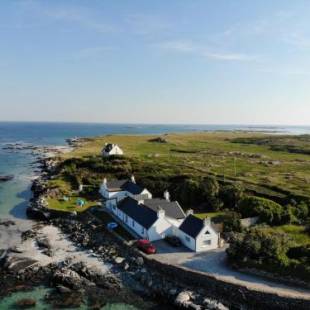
<point>104,183</point>
<point>167,195</point>
<point>133,180</point>
<point>161,213</point>
<point>189,212</point>
<point>207,221</point>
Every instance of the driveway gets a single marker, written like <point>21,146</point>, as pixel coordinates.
<point>214,263</point>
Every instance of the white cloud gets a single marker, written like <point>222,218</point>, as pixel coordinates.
<point>188,47</point>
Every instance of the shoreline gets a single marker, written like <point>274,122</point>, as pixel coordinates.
<point>80,228</point>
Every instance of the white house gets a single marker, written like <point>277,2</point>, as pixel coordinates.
<point>198,235</point>
<point>116,190</point>
<point>111,149</point>
<point>154,219</point>
<point>145,222</point>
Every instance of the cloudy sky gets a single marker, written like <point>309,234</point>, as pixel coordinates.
<point>139,61</point>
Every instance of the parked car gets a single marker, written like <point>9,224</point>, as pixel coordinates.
<point>174,241</point>
<point>146,246</point>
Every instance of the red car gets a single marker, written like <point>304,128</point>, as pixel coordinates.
<point>146,246</point>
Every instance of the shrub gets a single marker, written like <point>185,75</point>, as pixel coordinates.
<point>268,211</point>
<point>231,195</point>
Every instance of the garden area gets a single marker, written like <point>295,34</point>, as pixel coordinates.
<point>70,204</point>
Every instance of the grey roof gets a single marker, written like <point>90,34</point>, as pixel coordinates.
<point>124,185</point>
<point>143,215</point>
<point>192,226</point>
<point>108,147</point>
<point>172,208</point>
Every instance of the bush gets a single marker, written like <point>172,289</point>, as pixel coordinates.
<point>274,252</point>
<point>231,195</point>
<point>231,222</point>
<point>259,245</point>
<point>268,211</point>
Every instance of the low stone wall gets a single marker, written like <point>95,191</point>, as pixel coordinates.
<point>236,294</point>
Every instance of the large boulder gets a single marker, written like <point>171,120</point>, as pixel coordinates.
<point>19,264</point>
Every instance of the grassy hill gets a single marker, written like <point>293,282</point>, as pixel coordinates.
<point>254,159</point>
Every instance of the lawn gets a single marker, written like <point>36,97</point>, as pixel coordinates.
<point>70,205</point>
<point>209,214</point>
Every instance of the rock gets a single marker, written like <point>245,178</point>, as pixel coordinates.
<point>3,255</point>
<point>25,303</point>
<point>126,266</point>
<point>7,223</point>
<point>173,291</point>
<point>43,243</point>
<point>213,304</point>
<point>16,249</point>
<point>139,261</point>
<point>37,214</point>
<point>62,289</point>
<point>19,264</point>
<point>119,260</point>
<point>70,278</point>
<point>183,298</point>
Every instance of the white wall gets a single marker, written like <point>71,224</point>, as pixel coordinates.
<point>160,229</point>
<point>187,240</point>
<point>116,150</point>
<point>205,242</point>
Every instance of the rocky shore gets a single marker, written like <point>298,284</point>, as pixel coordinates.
<point>80,260</point>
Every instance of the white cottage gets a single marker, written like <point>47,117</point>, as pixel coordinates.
<point>149,219</point>
<point>116,190</point>
<point>111,149</point>
<point>198,235</point>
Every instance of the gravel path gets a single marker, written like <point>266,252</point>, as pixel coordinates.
<point>214,262</point>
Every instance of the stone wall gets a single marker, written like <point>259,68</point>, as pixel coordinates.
<point>221,290</point>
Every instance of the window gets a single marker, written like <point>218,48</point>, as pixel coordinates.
<point>207,232</point>
<point>207,242</point>
<point>187,239</point>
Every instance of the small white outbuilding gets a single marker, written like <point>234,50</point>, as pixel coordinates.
<point>111,149</point>
<point>197,234</point>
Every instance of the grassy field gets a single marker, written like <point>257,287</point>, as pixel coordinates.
<point>231,156</point>
<point>70,205</point>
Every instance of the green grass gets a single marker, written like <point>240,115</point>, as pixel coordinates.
<point>209,214</point>
<point>215,153</point>
<point>296,232</point>
<point>69,206</point>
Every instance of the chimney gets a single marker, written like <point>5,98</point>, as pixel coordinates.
<point>206,221</point>
<point>104,182</point>
<point>167,195</point>
<point>161,213</point>
<point>189,212</point>
<point>133,180</point>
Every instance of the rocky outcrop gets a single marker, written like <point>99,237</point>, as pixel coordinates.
<point>16,264</point>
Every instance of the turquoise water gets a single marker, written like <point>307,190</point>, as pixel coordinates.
<point>39,293</point>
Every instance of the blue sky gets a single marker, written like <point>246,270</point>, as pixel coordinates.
<point>176,61</point>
